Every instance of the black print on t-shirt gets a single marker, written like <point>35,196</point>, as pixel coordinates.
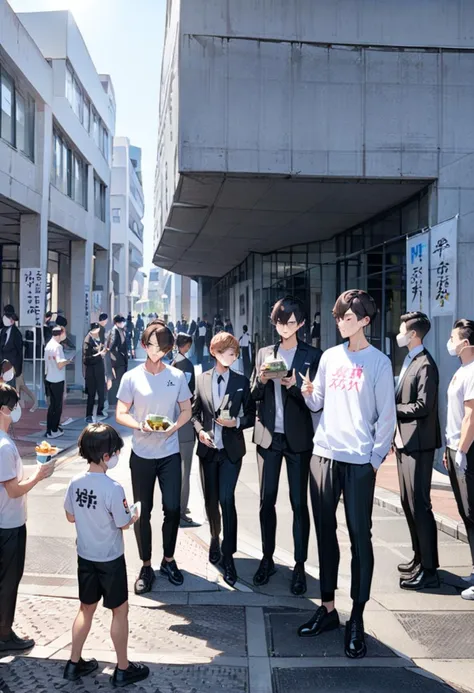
<point>170,384</point>
<point>86,498</point>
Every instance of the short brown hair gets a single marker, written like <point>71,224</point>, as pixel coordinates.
<point>8,396</point>
<point>360,302</point>
<point>97,440</point>
<point>222,341</point>
<point>164,336</point>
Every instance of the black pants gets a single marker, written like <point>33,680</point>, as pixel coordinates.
<point>144,473</point>
<point>463,489</point>
<point>95,379</point>
<point>219,478</point>
<point>55,409</point>
<point>12,563</point>
<point>199,342</point>
<point>246,361</point>
<point>119,373</point>
<point>357,482</point>
<point>414,474</point>
<point>269,468</point>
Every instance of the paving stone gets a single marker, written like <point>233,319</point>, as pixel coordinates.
<point>355,680</point>
<point>445,636</point>
<point>283,641</point>
<point>51,555</point>
<point>45,676</point>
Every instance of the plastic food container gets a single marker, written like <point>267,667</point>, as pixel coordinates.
<point>158,422</point>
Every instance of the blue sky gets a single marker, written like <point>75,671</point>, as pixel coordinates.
<point>125,39</point>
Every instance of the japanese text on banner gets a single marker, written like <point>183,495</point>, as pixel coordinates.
<point>418,274</point>
<point>443,267</point>
<point>32,297</point>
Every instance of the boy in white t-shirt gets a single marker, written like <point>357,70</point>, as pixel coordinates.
<point>55,376</point>
<point>98,506</point>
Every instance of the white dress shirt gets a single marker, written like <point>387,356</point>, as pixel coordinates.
<point>218,392</point>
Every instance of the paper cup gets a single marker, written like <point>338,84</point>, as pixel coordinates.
<point>43,459</point>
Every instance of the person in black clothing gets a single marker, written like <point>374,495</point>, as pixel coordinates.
<point>118,352</point>
<point>11,341</point>
<point>186,433</point>
<point>316,330</point>
<point>192,328</point>
<point>93,353</point>
<point>223,407</point>
<point>228,327</point>
<point>284,429</point>
<point>48,327</point>
<point>200,339</point>
<point>246,351</point>
<point>103,320</point>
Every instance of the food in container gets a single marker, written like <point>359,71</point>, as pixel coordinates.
<point>44,452</point>
<point>225,415</point>
<point>275,367</point>
<point>158,423</point>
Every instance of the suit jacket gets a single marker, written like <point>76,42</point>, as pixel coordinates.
<point>117,348</point>
<point>13,349</point>
<point>237,400</point>
<point>93,364</point>
<point>417,405</point>
<point>182,363</point>
<point>298,423</point>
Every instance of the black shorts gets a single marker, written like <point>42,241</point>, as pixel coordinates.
<point>103,579</point>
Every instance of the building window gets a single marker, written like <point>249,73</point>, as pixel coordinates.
<point>69,85</point>
<point>7,100</point>
<point>69,171</point>
<point>17,116</point>
<point>77,100</point>
<point>95,127</point>
<point>20,122</point>
<point>116,215</point>
<point>87,115</point>
<point>99,198</point>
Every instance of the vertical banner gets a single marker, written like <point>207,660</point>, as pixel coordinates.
<point>87,307</point>
<point>443,267</point>
<point>32,297</point>
<point>418,280</point>
<point>96,304</point>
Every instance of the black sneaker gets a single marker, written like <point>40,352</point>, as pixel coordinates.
<point>172,572</point>
<point>74,670</point>
<point>145,580</point>
<point>124,677</point>
<point>16,644</point>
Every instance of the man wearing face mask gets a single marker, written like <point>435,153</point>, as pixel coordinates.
<point>155,388</point>
<point>13,490</point>
<point>93,353</point>
<point>55,377</point>
<point>354,389</point>
<point>284,429</point>
<point>416,438</point>
<point>11,341</point>
<point>459,455</point>
<point>223,407</point>
<point>118,354</point>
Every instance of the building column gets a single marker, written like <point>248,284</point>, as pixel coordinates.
<point>101,280</point>
<point>81,282</point>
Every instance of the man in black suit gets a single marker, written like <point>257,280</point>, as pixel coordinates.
<point>416,438</point>
<point>223,407</point>
<point>284,429</point>
<point>200,339</point>
<point>118,352</point>
<point>11,341</point>
<point>93,353</point>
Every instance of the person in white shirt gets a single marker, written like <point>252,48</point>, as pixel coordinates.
<point>459,455</point>
<point>55,378</point>
<point>13,490</point>
<point>246,351</point>
<point>354,388</point>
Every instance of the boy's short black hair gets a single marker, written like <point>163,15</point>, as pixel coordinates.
<point>97,440</point>
<point>103,316</point>
<point>466,329</point>
<point>285,308</point>
<point>418,322</point>
<point>183,339</point>
<point>360,302</point>
<point>8,396</point>
<point>118,318</point>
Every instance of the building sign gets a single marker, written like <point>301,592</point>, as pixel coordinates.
<point>443,267</point>
<point>32,297</point>
<point>96,303</point>
<point>87,307</point>
<point>418,280</point>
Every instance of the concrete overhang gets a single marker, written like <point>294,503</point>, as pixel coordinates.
<point>216,220</point>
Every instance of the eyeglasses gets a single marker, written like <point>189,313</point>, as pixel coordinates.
<point>290,323</point>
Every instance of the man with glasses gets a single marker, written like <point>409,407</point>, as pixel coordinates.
<point>284,429</point>
<point>155,388</point>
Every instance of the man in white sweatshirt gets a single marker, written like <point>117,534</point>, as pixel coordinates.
<point>354,388</point>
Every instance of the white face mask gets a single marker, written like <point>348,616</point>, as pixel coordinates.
<point>8,376</point>
<point>16,414</point>
<point>6,321</point>
<point>113,462</point>
<point>453,348</point>
<point>403,340</point>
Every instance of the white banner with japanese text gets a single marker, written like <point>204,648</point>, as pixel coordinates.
<point>32,297</point>
<point>418,268</point>
<point>443,267</point>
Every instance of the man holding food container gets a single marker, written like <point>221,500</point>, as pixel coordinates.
<point>147,400</point>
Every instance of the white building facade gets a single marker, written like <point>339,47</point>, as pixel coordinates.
<point>56,130</point>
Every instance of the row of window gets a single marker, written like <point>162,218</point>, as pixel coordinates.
<point>85,111</point>
<point>17,116</point>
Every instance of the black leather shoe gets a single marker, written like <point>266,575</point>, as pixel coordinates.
<point>145,580</point>
<point>321,621</point>
<point>124,677</point>
<point>170,570</point>
<point>421,580</point>
<point>298,581</point>
<point>354,641</point>
<point>16,644</point>
<point>74,670</point>
<point>230,573</point>
<point>265,570</point>
<point>214,552</point>
<point>410,567</point>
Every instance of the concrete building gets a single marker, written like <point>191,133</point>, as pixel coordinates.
<point>57,124</point>
<point>301,143</point>
<point>127,210</point>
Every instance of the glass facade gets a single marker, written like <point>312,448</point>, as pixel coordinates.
<point>371,257</point>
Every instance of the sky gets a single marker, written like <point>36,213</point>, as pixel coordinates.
<point>125,40</point>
